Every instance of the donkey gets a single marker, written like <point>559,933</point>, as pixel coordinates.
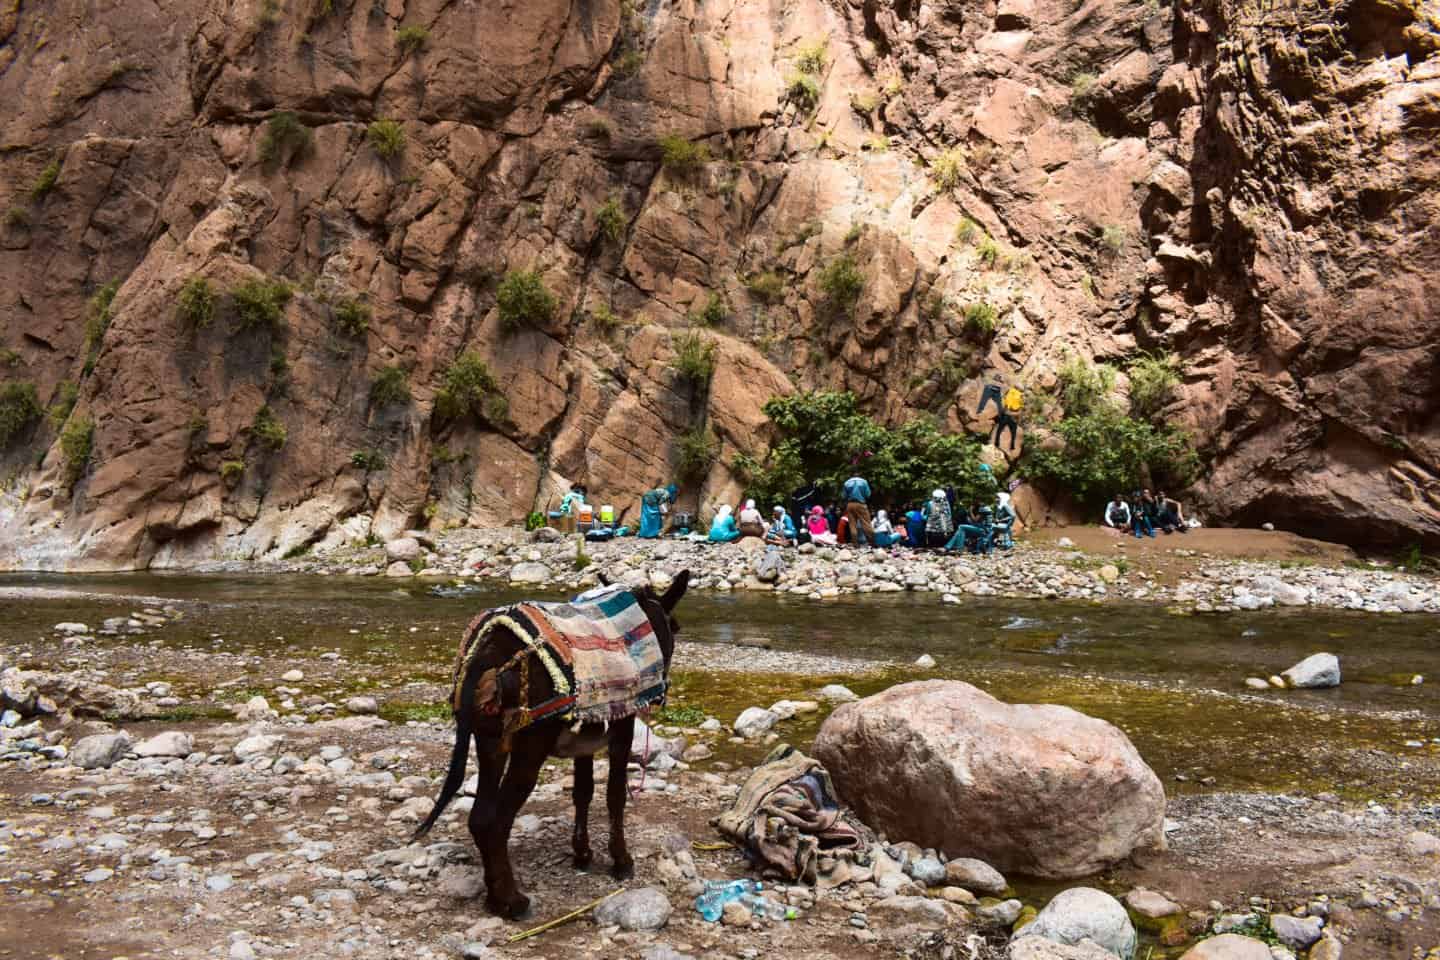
<point>502,788</point>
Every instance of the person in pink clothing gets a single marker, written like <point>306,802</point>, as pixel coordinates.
<point>819,528</point>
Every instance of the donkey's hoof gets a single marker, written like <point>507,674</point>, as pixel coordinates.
<point>517,908</point>
<point>583,860</point>
<point>623,869</point>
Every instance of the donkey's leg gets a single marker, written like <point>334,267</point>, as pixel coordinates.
<point>527,755</point>
<point>621,732</point>
<point>584,793</point>
<point>489,766</point>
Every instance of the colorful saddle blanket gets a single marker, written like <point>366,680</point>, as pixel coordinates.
<point>599,649</point>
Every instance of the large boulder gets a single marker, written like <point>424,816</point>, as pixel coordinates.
<point>1038,790</point>
<point>1084,913</point>
<point>1228,946</point>
<point>100,751</point>
<point>1316,670</point>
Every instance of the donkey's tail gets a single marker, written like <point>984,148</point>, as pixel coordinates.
<point>454,778</point>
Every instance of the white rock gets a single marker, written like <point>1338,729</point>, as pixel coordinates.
<point>1316,670</point>
<point>837,693</point>
<point>257,746</point>
<point>399,569</point>
<point>362,705</point>
<point>71,628</point>
<point>1255,683</point>
<point>925,661</point>
<point>293,676</point>
<point>100,751</point>
<point>530,573</point>
<point>1084,913</point>
<point>755,722</point>
<point>256,708</point>
<point>174,743</point>
<point>403,549</point>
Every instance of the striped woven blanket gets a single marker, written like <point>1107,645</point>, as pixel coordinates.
<point>599,649</point>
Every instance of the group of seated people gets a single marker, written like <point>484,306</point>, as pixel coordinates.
<point>1145,513</point>
<point>940,523</point>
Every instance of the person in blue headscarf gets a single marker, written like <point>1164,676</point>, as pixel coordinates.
<point>781,530</point>
<point>723,528</point>
<point>652,510</point>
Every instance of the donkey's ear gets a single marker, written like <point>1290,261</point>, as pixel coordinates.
<point>604,580</point>
<point>676,591</point>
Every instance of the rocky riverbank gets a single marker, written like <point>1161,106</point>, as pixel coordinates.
<point>1170,573</point>
<point>256,806</point>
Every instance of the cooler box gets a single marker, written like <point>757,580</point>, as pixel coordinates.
<point>607,514</point>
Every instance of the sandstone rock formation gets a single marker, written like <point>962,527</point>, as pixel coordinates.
<point>1251,185</point>
<point>1041,791</point>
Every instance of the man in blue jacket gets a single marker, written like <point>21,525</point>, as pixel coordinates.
<point>857,511</point>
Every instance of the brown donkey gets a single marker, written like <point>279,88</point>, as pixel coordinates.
<point>502,787</point>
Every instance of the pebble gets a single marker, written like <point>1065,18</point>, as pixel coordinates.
<point>98,875</point>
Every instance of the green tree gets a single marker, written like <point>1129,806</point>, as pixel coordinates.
<point>523,299</point>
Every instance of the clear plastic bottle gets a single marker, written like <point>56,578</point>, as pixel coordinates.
<point>717,893</point>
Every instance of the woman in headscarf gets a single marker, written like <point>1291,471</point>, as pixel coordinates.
<point>722,528</point>
<point>885,534</point>
<point>819,527</point>
<point>752,524</point>
<point>653,505</point>
<point>781,530</point>
<point>938,525</point>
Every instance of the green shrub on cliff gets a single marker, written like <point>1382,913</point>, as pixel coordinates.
<point>268,429</point>
<point>524,300</point>
<point>286,139</point>
<point>195,303</point>
<point>803,90</point>
<point>694,357</point>
<point>46,181</point>
<point>351,316</point>
<point>466,390</point>
<point>949,168</point>
<point>19,406</point>
<point>61,403</point>
<point>681,155</point>
<point>412,38</point>
<point>387,138</point>
<point>695,452</point>
<point>842,282</point>
<point>810,57</point>
<point>76,443</point>
<point>1153,379</point>
<point>99,311</point>
<point>389,387</point>
<point>610,218</point>
<point>260,303</point>
<point>980,318</point>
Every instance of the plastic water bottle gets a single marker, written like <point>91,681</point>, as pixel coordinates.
<point>711,903</point>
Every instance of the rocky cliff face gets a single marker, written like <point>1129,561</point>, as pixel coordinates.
<point>1252,185</point>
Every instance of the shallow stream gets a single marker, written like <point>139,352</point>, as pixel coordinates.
<point>1174,682</point>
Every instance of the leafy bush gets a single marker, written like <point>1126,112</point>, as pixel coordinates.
<point>949,168</point>
<point>524,299</point>
<point>195,304</point>
<point>387,138</point>
<point>988,251</point>
<point>534,520</point>
<point>715,312</point>
<point>286,139</point>
<point>46,181</point>
<point>1114,237</point>
<point>803,90</point>
<point>1153,378</point>
<point>10,358</point>
<point>866,102</point>
<point>629,63</point>
<point>681,155</point>
<point>17,218</point>
<point>230,472</point>
<point>64,400</point>
<point>598,129</point>
<point>694,357</point>
<point>611,220</point>
<point>98,313</point>
<point>695,453</point>
<point>842,282</point>
<point>894,85</point>
<point>368,460</point>
<point>412,38</point>
<point>1106,451</point>
<point>822,434</point>
<point>980,318</point>
<point>465,387</point>
<point>1084,387</point>
<point>856,231</point>
<point>810,57</point>
<point>77,441</point>
<point>390,386</point>
<point>1080,85</point>
<point>605,320</point>
<point>878,144</point>
<point>268,429</point>
<point>19,405</point>
<point>260,303</point>
<point>497,409</point>
<point>767,286</point>
<point>351,317</point>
